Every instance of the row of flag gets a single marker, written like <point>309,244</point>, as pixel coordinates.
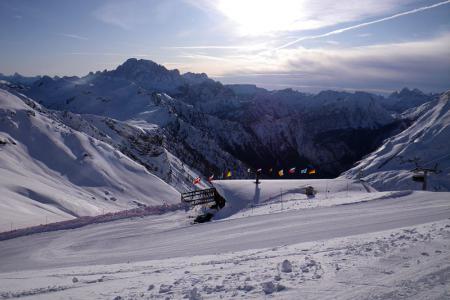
<point>309,171</point>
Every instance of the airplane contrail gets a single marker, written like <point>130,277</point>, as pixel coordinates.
<point>337,31</point>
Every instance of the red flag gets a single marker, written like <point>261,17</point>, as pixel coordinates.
<point>292,170</point>
<point>211,178</point>
<point>196,180</point>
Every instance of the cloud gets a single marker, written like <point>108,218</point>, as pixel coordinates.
<point>219,47</point>
<point>132,13</point>
<point>116,14</point>
<point>341,30</point>
<point>265,17</point>
<point>381,67</point>
<point>74,36</point>
<point>422,64</point>
<point>108,54</point>
<point>411,61</point>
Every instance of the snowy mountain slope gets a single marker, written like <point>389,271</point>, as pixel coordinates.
<point>296,128</point>
<point>426,139</point>
<point>50,170</point>
<point>321,129</point>
<point>109,96</point>
<point>135,132</point>
<point>201,119</point>
<point>200,140</point>
<point>268,128</point>
<point>96,94</point>
<point>145,145</point>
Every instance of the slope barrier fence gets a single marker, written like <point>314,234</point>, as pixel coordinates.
<point>87,220</point>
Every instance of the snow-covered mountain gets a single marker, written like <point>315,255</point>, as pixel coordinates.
<point>212,127</point>
<point>140,134</point>
<point>319,129</point>
<point>19,79</point>
<point>426,142</point>
<point>209,127</point>
<point>406,99</point>
<point>50,170</point>
<point>188,133</point>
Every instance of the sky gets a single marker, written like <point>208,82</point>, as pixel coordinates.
<point>308,45</point>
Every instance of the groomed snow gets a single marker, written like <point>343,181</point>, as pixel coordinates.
<point>241,195</point>
<point>392,247</point>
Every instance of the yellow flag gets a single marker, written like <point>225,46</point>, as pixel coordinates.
<point>280,173</point>
<point>228,174</point>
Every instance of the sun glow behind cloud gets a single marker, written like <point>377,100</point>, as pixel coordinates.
<point>314,43</point>
<point>292,46</point>
<point>382,68</point>
<point>263,17</point>
<point>258,17</point>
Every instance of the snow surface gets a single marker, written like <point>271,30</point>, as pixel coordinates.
<point>395,246</point>
<point>246,194</point>
<point>388,168</point>
<point>96,154</point>
<point>50,172</point>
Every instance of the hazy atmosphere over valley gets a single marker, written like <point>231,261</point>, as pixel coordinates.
<point>224,149</point>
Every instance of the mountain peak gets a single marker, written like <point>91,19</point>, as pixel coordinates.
<point>133,66</point>
<point>406,92</point>
<point>134,62</point>
<point>406,99</point>
<point>195,78</point>
<point>149,74</point>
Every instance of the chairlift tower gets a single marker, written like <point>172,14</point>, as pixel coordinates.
<point>420,174</point>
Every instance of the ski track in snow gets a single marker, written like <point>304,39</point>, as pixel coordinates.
<point>394,247</point>
<point>405,263</point>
